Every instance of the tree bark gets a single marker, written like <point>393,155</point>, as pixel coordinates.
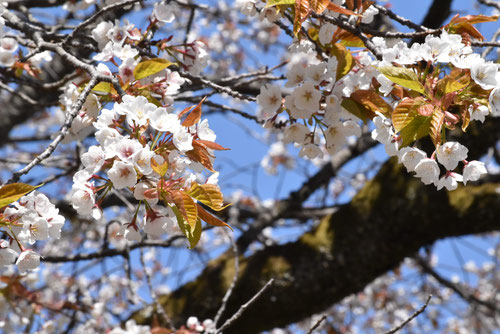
<point>391,218</point>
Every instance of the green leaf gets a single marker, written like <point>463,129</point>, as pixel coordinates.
<point>160,169</point>
<point>271,3</point>
<point>208,194</point>
<point>405,111</point>
<point>357,109</point>
<point>450,85</point>
<point>104,87</point>
<point>12,192</point>
<point>149,67</point>
<point>186,206</point>
<point>192,233</point>
<point>403,76</point>
<point>416,129</point>
<point>344,59</point>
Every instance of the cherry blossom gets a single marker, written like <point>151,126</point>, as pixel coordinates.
<point>450,153</point>
<point>410,157</point>
<point>428,171</point>
<point>449,181</point>
<point>295,133</point>
<point>484,74</point>
<point>306,97</point>
<point>27,260</point>
<point>269,99</point>
<point>473,171</point>
<point>122,174</point>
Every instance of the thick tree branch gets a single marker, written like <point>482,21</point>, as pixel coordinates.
<point>392,217</point>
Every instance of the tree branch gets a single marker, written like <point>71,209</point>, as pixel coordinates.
<point>391,218</point>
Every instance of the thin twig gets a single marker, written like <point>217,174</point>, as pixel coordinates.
<point>456,288</point>
<point>413,316</point>
<point>105,253</point>
<point>400,19</point>
<point>495,4</point>
<point>62,132</point>
<point>216,87</point>
<point>490,47</point>
<point>243,307</point>
<point>94,18</point>
<point>159,308</point>
<point>233,283</point>
<point>316,325</point>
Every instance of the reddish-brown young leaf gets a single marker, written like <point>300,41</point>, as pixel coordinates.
<point>425,109</point>
<point>209,219</point>
<point>367,4</point>
<point>447,100</point>
<point>405,112</point>
<point>357,109</point>
<point>14,191</point>
<point>372,102</point>
<point>339,9</point>
<point>318,6</point>
<point>212,145</point>
<point>200,154</point>
<point>465,116</point>
<point>160,169</point>
<point>194,115</point>
<point>436,125</point>
<point>459,25</point>
<point>302,11</point>
<point>208,194</point>
<point>184,111</point>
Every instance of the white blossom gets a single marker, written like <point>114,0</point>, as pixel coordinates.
<point>295,75</point>
<point>83,200</point>
<point>163,121</point>
<point>369,14</point>
<point>269,98</point>
<point>449,181</point>
<point>27,260</point>
<point>473,171</point>
<point>122,174</point>
<point>484,74</point>
<point>163,13</point>
<point>183,140</point>
<point>494,100</point>
<point>450,153</point>
<point>428,171</point>
<point>478,113</point>
<point>295,132</point>
<point>410,157</point>
<point>325,34</point>
<point>7,255</point>
<point>93,159</point>
<point>307,97</point>
<point>311,151</point>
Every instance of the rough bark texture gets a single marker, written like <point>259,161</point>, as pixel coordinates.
<point>390,219</point>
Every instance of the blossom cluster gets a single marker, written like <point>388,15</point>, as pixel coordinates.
<point>329,98</point>
<point>315,101</point>
<point>9,49</point>
<point>154,137</point>
<point>32,218</point>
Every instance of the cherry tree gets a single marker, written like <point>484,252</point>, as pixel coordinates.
<point>125,124</point>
